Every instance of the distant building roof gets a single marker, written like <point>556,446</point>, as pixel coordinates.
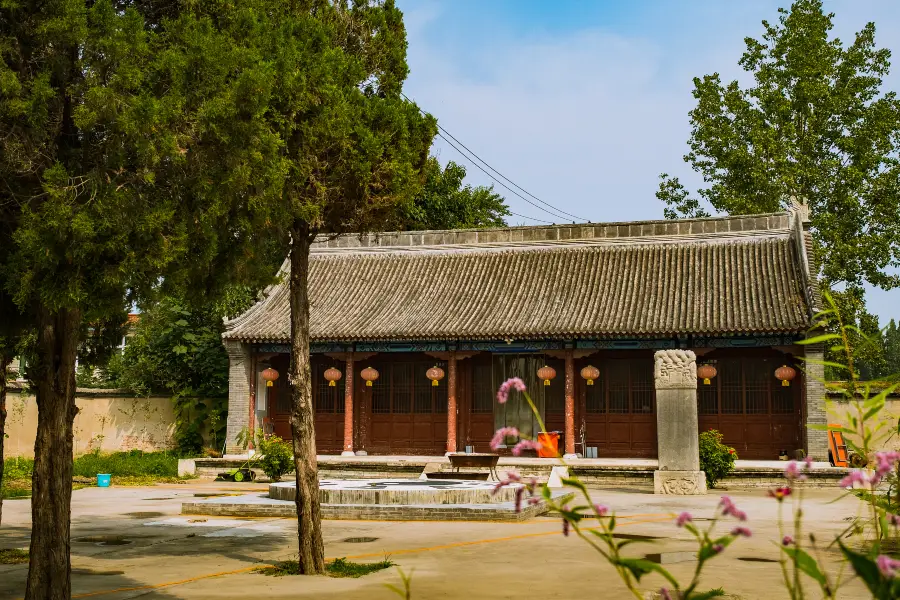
<point>715,276</point>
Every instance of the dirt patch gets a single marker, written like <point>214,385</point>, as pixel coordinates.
<point>145,515</point>
<point>359,540</point>
<point>152,499</point>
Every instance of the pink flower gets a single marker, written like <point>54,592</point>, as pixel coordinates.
<point>808,461</point>
<point>894,519</point>
<point>525,445</point>
<point>729,509</point>
<point>513,476</point>
<point>855,479</point>
<point>780,493</point>
<point>519,493</point>
<point>664,594</point>
<point>741,531</point>
<point>514,383</point>
<point>792,472</point>
<point>501,435</point>
<point>601,509</point>
<point>683,518</point>
<point>884,463</point>
<point>787,541</point>
<point>534,500</point>
<point>887,565</point>
<point>718,548</point>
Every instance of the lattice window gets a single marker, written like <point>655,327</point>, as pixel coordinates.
<point>595,397</point>
<point>783,398</point>
<point>617,378</point>
<point>731,386</point>
<point>423,397</point>
<point>757,376</point>
<point>483,393</point>
<point>643,388</point>
<point>708,395</point>
<point>402,376</point>
<point>381,391</point>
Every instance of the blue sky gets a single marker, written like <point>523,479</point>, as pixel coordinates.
<point>584,103</point>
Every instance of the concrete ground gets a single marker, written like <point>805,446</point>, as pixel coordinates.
<point>168,556</point>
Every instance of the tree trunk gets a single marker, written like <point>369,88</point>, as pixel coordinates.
<point>311,555</point>
<point>54,385</point>
<point>4,363</point>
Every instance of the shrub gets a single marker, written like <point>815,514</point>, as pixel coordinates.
<point>127,464</point>
<point>716,459</point>
<point>278,457</point>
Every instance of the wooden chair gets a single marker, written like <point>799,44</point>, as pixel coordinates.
<point>837,454</point>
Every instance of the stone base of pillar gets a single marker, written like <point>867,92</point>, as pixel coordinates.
<point>348,453</point>
<point>360,453</point>
<point>569,456</point>
<point>679,483</point>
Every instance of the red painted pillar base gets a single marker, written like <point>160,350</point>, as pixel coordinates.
<point>451,403</point>
<point>348,408</point>
<point>570,405</point>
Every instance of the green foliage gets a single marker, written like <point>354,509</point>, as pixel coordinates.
<point>716,459</point>
<point>865,567</point>
<point>814,126</point>
<point>127,464</point>
<point>13,556</point>
<point>17,468</point>
<point>277,459</point>
<point>445,203</point>
<point>339,567</point>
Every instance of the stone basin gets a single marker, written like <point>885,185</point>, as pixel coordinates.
<point>401,491</point>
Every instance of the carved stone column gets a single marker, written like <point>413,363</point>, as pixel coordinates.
<point>675,375</point>
<point>451,403</point>
<point>348,407</point>
<point>570,406</point>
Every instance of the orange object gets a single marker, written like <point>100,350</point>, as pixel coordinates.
<point>839,455</point>
<point>549,442</point>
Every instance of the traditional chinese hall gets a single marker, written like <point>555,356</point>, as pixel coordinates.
<point>412,334</point>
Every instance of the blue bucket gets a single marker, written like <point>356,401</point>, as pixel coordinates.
<point>103,480</point>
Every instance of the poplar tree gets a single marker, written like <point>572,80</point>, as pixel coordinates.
<point>814,126</point>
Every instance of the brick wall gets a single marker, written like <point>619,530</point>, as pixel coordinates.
<point>239,373</point>
<point>814,378</point>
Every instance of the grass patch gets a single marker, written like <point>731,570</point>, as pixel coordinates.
<point>13,556</point>
<point>339,567</point>
<point>127,464</point>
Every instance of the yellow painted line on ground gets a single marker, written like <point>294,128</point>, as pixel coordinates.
<point>660,517</point>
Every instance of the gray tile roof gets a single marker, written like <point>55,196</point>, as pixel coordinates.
<point>707,276</point>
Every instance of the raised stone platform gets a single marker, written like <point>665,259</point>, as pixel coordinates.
<point>383,500</point>
<point>401,491</point>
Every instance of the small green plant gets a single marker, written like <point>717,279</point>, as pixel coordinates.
<point>406,581</point>
<point>339,567</point>
<point>716,459</point>
<point>13,556</point>
<point>277,459</point>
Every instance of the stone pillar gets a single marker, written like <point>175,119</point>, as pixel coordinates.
<point>675,375</point>
<point>451,403</point>
<point>348,407</point>
<point>570,406</point>
<point>239,375</point>
<point>814,395</point>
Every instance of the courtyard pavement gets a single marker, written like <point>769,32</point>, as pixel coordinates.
<point>158,553</point>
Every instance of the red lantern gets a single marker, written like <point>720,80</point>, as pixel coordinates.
<point>785,374</point>
<point>332,375</point>
<point>270,375</point>
<point>369,374</point>
<point>435,374</point>
<point>706,372</point>
<point>546,373</point>
<point>590,373</point>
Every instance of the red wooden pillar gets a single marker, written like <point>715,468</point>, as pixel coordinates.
<point>451,403</point>
<point>348,407</point>
<point>570,405</point>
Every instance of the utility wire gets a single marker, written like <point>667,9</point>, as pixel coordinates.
<point>442,130</point>
<point>501,183</point>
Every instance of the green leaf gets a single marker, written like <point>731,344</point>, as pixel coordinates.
<point>181,323</point>
<point>640,567</point>
<point>864,567</point>
<point>805,563</point>
<point>819,339</point>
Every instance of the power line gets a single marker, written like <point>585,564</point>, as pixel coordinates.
<point>501,183</point>
<point>558,212</point>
